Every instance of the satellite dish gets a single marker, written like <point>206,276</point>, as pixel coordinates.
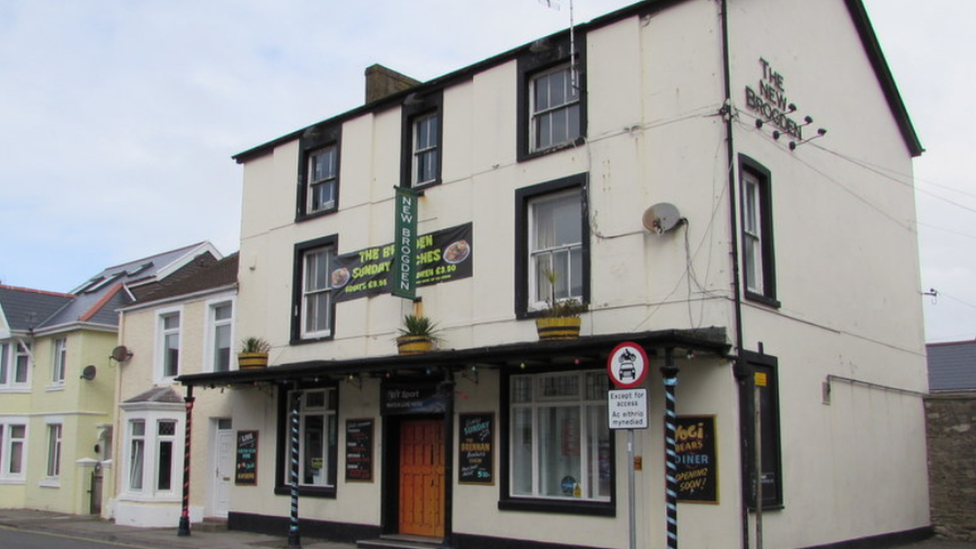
<point>121,353</point>
<point>88,373</point>
<point>661,218</point>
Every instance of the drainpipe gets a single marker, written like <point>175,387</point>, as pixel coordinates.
<point>738,368</point>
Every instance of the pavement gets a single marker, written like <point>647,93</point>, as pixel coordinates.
<point>89,527</point>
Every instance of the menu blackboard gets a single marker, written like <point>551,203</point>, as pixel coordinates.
<point>475,449</point>
<point>695,450</point>
<point>359,450</point>
<point>246,472</point>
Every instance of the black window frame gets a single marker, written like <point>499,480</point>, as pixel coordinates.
<point>283,463</point>
<point>507,502</point>
<point>298,285</point>
<point>750,167</point>
<point>523,198</point>
<point>542,56</point>
<point>313,140</point>
<point>771,438</point>
<point>416,107</point>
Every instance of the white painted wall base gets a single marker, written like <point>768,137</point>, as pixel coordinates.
<point>153,515</point>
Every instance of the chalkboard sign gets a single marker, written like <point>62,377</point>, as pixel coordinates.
<point>246,472</point>
<point>475,449</point>
<point>359,450</point>
<point>695,450</point>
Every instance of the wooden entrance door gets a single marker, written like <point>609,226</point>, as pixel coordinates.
<point>422,478</point>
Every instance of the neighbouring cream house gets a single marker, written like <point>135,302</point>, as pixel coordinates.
<point>57,383</point>
<point>180,325</point>
<point>692,174</point>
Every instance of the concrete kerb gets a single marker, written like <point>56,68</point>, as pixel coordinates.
<point>94,528</point>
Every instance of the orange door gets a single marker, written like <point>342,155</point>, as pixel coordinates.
<point>422,478</point>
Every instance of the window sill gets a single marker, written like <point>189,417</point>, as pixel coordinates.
<point>147,498</point>
<point>568,507</point>
<point>13,481</point>
<point>313,215</point>
<point>50,483</point>
<point>16,390</point>
<point>307,491</point>
<point>763,300</point>
<point>54,388</point>
<point>529,155</point>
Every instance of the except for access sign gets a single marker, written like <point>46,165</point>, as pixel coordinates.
<point>627,409</point>
<point>627,365</point>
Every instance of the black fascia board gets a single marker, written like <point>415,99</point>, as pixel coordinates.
<point>709,340</point>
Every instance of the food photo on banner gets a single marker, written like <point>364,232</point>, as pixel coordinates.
<point>442,256</point>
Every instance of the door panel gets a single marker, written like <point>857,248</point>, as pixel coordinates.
<point>422,478</point>
<point>223,473</point>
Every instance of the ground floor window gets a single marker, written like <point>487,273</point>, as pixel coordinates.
<point>317,439</point>
<point>152,455</point>
<point>13,449</point>
<point>559,443</point>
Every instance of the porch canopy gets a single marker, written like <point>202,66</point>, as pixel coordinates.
<point>532,354</point>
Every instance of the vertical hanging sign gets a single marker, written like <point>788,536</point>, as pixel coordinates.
<point>405,243</point>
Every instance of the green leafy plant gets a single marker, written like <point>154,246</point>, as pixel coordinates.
<point>419,326</point>
<point>560,308</point>
<point>255,345</point>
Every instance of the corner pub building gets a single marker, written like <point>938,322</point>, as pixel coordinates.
<point>641,163</point>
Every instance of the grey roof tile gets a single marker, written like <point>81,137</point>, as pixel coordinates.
<point>952,366</point>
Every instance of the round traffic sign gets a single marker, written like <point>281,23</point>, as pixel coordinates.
<point>627,365</point>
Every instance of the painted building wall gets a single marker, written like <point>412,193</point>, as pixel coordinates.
<point>846,268</point>
<point>139,374</point>
<point>82,408</point>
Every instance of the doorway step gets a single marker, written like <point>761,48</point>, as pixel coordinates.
<point>211,524</point>
<point>401,541</point>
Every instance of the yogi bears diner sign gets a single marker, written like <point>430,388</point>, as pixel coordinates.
<point>440,256</point>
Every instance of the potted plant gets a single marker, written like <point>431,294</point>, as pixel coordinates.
<point>253,354</point>
<point>561,317</point>
<point>417,335</point>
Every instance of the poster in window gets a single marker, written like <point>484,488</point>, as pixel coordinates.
<point>475,455</point>
<point>697,464</point>
<point>359,450</point>
<point>246,470</point>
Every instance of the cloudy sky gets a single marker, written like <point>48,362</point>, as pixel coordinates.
<point>118,118</point>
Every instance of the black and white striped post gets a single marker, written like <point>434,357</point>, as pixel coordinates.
<point>184,527</point>
<point>294,537</point>
<point>670,373</point>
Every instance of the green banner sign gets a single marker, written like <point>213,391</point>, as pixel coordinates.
<point>441,256</point>
<point>405,244</point>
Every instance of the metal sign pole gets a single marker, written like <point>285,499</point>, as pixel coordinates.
<point>632,499</point>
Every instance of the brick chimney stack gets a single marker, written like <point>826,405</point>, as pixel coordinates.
<point>381,82</point>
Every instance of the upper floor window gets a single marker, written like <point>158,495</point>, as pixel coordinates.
<point>323,179</point>
<point>426,150</point>
<point>422,138</point>
<point>551,97</point>
<point>60,360</point>
<point>553,246</point>
<point>757,233</point>
<point>14,365</point>
<point>13,449</point>
<point>554,101</point>
<point>221,320</point>
<point>168,345</point>
<point>313,297</point>
<point>318,171</point>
